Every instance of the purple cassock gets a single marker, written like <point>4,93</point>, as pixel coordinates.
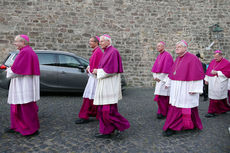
<point>221,105</point>
<point>88,109</point>
<point>109,117</point>
<point>95,58</point>
<point>223,65</point>
<point>111,61</point>
<point>26,62</point>
<point>186,68</point>
<point>24,117</point>
<point>162,64</point>
<point>111,120</point>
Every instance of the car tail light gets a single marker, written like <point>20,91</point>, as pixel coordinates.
<point>3,67</point>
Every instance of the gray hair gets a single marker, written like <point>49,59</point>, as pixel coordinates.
<point>106,38</point>
<point>22,39</point>
<point>181,43</point>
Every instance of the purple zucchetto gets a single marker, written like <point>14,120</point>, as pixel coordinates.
<point>183,41</point>
<point>163,43</point>
<point>108,36</point>
<point>218,51</point>
<point>25,37</point>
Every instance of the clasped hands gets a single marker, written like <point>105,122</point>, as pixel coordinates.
<point>156,79</point>
<point>95,71</point>
<point>214,72</point>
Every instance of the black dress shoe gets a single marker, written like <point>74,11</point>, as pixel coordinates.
<point>34,134</point>
<point>81,121</point>
<point>99,135</point>
<point>160,116</point>
<point>168,133</point>
<point>210,115</point>
<point>8,130</point>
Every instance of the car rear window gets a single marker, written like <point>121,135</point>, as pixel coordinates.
<point>68,61</point>
<point>47,59</point>
<point>10,59</point>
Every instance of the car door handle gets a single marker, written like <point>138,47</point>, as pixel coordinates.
<point>63,72</point>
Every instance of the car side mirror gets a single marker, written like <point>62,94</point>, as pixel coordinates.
<point>82,68</point>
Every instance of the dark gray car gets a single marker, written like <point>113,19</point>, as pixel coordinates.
<point>60,71</point>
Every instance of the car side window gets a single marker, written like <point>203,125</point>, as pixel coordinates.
<point>68,61</point>
<point>47,59</point>
<point>84,63</point>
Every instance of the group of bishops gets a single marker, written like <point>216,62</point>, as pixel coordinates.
<point>100,98</point>
<point>180,83</point>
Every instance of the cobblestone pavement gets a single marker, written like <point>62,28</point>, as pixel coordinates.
<point>58,133</point>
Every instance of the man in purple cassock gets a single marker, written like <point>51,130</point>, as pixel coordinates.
<point>24,89</point>
<point>217,76</point>
<point>108,90</point>
<point>186,82</point>
<point>161,69</point>
<point>87,108</point>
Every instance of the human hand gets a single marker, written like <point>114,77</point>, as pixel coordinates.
<point>213,72</point>
<point>95,71</point>
<point>87,69</point>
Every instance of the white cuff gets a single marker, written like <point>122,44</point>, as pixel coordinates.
<point>220,74</point>
<point>101,74</point>
<point>10,74</point>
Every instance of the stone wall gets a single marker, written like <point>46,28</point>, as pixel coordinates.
<point>134,25</point>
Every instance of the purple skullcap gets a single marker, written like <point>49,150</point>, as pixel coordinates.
<point>183,41</point>
<point>218,51</point>
<point>98,38</point>
<point>163,43</point>
<point>108,36</point>
<point>25,37</point>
